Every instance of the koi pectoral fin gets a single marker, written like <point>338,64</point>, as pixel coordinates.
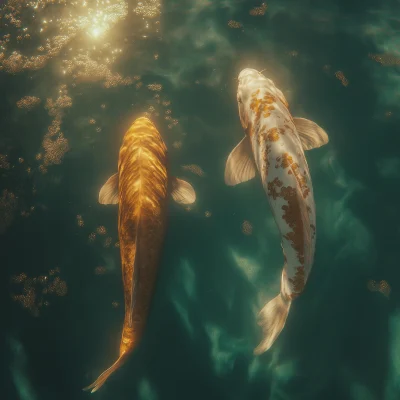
<point>311,135</point>
<point>182,191</point>
<point>240,166</point>
<point>99,382</point>
<point>272,319</point>
<point>109,192</point>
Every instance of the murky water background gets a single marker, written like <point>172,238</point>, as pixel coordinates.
<point>73,77</point>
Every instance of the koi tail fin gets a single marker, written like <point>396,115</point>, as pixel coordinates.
<point>272,319</point>
<point>99,382</point>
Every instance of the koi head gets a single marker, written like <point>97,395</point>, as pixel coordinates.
<point>250,81</point>
<point>253,89</point>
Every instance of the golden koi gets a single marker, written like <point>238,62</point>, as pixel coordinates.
<point>141,189</point>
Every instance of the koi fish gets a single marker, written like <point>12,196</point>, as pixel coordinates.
<point>140,187</point>
<point>273,146</point>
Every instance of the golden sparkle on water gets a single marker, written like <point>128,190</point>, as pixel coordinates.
<point>247,228</point>
<point>385,59</point>
<point>79,221</point>
<point>195,169</point>
<point>340,75</point>
<point>148,8</point>
<point>101,230</point>
<point>234,24</point>
<point>155,87</point>
<point>33,295</point>
<point>258,11</point>
<point>382,287</point>
<point>93,17</point>
<point>28,102</point>
<point>54,142</point>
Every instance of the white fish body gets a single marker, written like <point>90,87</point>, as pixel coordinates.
<point>274,147</point>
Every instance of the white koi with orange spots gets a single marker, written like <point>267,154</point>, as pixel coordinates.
<point>274,146</point>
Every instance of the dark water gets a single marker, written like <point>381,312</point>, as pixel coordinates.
<point>341,339</point>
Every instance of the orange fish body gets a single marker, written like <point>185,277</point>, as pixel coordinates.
<point>141,188</point>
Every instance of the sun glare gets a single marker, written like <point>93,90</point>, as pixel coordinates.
<point>96,32</point>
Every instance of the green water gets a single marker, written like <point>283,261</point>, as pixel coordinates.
<point>340,340</point>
